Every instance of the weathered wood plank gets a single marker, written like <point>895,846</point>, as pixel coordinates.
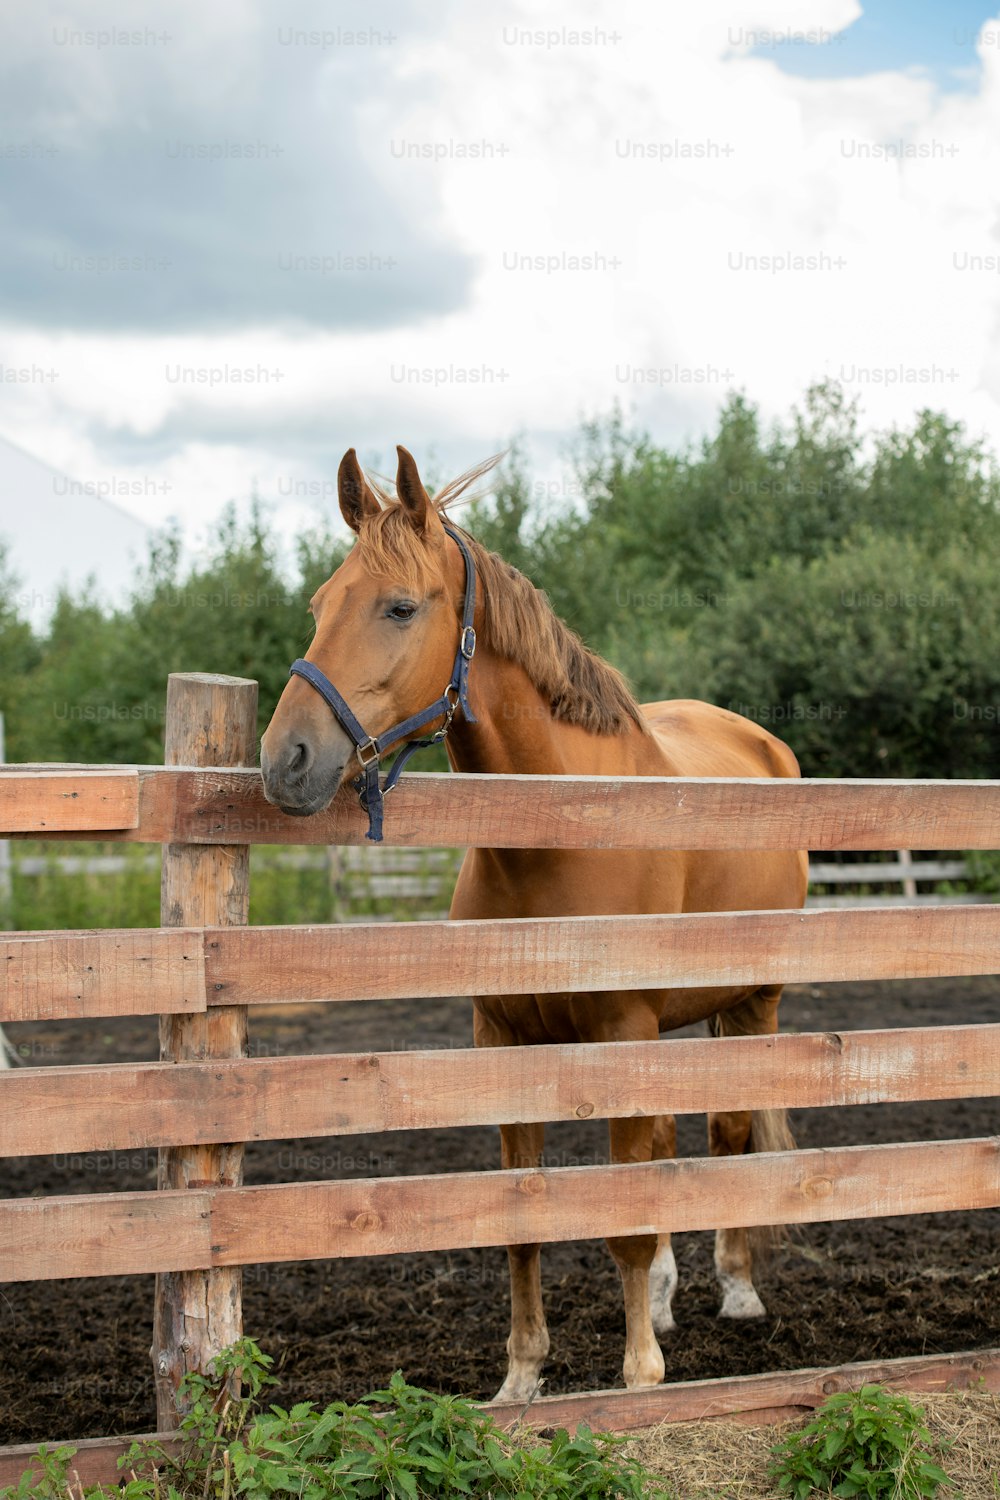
<point>572,812</point>
<point>759,1399</point>
<point>131,971</point>
<point>391,1215</point>
<point>639,812</point>
<point>57,801</point>
<point>114,1234</point>
<point>101,1235</point>
<point>144,971</point>
<point>259,965</point>
<point>125,1106</point>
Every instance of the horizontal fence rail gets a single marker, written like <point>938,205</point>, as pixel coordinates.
<point>148,971</point>
<point>118,1234</point>
<point>123,1106</point>
<point>180,805</point>
<point>78,799</point>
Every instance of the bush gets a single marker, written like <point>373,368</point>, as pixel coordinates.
<point>868,1443</point>
<point>398,1444</point>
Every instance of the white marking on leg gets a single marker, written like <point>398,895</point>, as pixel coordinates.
<point>523,1380</point>
<point>739,1298</point>
<point>662,1286</point>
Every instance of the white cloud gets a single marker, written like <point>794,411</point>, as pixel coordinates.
<point>778,166</point>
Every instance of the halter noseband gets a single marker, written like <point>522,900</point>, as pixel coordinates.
<point>370,748</point>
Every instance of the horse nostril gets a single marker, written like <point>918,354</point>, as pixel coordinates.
<point>298,762</point>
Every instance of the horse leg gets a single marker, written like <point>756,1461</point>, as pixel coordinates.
<point>521,1146</point>
<point>663,1271</point>
<point>632,1141</point>
<point>733,1133</point>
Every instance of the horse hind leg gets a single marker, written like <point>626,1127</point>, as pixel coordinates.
<point>734,1133</point>
<point>632,1141</point>
<point>528,1344</point>
<point>663,1271</point>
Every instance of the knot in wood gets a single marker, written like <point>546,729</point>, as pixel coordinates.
<point>584,1110</point>
<point>817,1187</point>
<point>533,1184</point>
<point>366,1221</point>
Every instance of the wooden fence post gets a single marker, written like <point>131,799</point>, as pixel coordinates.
<point>210,721</point>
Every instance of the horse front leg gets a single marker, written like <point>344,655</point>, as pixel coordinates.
<point>521,1146</point>
<point>632,1141</point>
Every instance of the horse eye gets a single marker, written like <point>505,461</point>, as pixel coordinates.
<point>404,610</point>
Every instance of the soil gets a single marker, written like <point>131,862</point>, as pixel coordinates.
<point>75,1359</point>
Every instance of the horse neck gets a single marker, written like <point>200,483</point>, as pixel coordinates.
<point>517,734</point>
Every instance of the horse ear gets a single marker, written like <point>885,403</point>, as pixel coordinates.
<point>357,498</point>
<point>410,490</point>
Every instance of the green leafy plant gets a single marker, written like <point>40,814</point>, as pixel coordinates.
<point>869,1443</point>
<point>401,1443</point>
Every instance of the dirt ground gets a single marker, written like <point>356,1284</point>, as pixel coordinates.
<point>75,1354</point>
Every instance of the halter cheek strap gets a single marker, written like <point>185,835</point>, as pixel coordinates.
<point>370,748</point>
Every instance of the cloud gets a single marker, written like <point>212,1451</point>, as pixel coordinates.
<point>202,167</point>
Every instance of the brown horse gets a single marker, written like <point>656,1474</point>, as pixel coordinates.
<point>387,627</point>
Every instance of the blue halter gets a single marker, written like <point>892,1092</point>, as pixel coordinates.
<point>370,748</point>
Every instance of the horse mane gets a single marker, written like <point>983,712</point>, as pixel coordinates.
<point>518,623</point>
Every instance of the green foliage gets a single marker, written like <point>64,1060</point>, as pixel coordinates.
<point>401,1442</point>
<point>837,586</point>
<point>868,1443</point>
<point>47,1480</point>
<point>55,899</point>
<point>286,885</point>
<point>97,682</point>
<point>867,662</point>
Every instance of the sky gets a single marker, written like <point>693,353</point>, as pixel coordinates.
<point>240,238</point>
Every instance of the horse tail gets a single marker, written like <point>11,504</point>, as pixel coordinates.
<point>770,1131</point>
<point>769,1128</point>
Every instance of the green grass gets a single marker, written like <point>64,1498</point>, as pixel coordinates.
<point>279,894</point>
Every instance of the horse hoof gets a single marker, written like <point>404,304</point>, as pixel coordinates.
<point>517,1392</point>
<point>740,1300</point>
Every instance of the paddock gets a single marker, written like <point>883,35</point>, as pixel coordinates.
<point>206,972</point>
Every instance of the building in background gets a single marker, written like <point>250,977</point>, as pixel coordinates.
<point>59,532</point>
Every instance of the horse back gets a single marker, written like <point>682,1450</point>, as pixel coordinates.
<point>699,739</point>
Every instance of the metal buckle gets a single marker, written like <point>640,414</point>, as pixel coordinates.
<point>359,752</point>
<point>440,734</point>
<point>468,647</point>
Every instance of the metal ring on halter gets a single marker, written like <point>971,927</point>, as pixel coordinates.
<point>359,750</point>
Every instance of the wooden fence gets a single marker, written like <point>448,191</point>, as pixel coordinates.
<point>203,969</point>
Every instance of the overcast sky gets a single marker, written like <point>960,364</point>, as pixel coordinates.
<point>240,237</point>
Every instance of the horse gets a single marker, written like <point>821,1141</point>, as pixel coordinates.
<point>390,624</point>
